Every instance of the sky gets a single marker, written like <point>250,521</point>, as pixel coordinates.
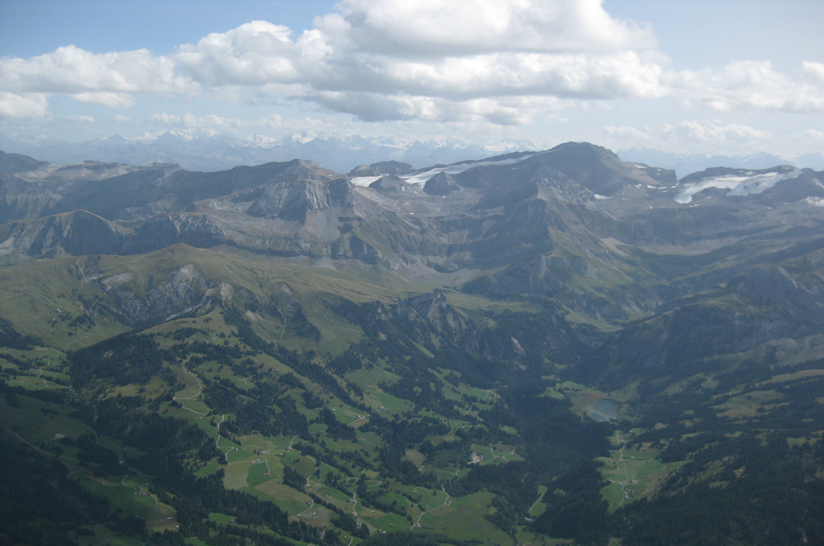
<point>731,77</point>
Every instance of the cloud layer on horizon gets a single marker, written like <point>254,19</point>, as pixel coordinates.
<point>495,61</point>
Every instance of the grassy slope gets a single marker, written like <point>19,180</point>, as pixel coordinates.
<point>43,298</point>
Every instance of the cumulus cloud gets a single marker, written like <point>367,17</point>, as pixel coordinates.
<point>813,71</point>
<point>440,59</point>
<point>500,61</point>
<point>253,54</point>
<point>501,75</point>
<point>751,85</point>
<point>434,28</point>
<point>71,69</point>
<point>381,60</point>
<point>25,105</point>
<point>106,98</point>
<point>402,107</point>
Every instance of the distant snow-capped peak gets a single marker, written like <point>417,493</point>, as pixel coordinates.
<point>179,134</point>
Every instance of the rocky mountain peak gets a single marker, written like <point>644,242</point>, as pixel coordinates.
<point>391,184</point>
<point>382,168</point>
<point>441,184</point>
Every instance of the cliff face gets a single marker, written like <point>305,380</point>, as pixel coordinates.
<point>164,296</point>
<point>76,234</point>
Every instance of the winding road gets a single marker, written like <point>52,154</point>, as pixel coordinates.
<point>199,391</point>
<point>446,500</point>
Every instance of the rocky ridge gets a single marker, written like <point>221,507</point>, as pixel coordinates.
<point>573,224</point>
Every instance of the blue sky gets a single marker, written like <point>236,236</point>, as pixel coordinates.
<point>723,77</point>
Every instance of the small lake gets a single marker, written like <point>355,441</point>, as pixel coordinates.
<point>602,410</point>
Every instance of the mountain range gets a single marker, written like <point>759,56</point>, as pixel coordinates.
<point>209,150</point>
<point>537,346</point>
<point>686,164</point>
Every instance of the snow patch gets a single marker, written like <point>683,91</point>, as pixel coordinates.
<point>750,183</point>
<point>457,168</point>
<point>817,201</point>
<point>363,180</point>
<point>599,197</point>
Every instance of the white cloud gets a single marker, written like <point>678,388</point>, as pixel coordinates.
<point>106,98</point>
<point>26,105</point>
<point>70,69</point>
<point>253,54</point>
<point>437,28</point>
<point>418,58</point>
<point>750,85</point>
<point>382,60</point>
<point>814,71</point>
<point>88,120</point>
<point>380,107</point>
<point>490,61</point>
<point>501,75</point>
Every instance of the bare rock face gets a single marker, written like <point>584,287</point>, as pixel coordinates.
<point>441,184</point>
<point>74,234</point>
<point>20,199</point>
<point>293,201</point>
<point>598,169</point>
<point>382,168</point>
<point>167,229</point>
<point>165,296</point>
<point>392,184</point>
<point>437,312</point>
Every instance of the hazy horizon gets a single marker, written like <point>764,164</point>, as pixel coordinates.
<point>734,78</point>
